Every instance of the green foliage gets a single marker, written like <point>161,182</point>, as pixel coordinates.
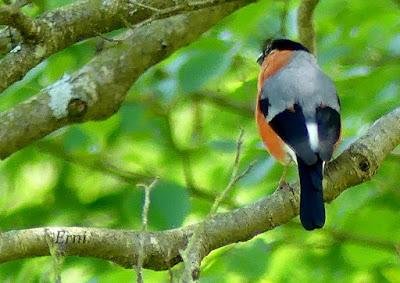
<point>170,117</point>
<point>170,206</point>
<point>200,68</point>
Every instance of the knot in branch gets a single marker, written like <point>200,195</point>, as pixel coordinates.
<point>365,161</point>
<point>76,108</point>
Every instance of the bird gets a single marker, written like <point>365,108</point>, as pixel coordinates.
<point>298,119</point>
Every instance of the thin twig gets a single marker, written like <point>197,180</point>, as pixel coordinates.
<point>108,38</point>
<point>184,154</point>
<point>22,3</point>
<point>56,255</point>
<point>126,22</point>
<point>194,252</point>
<point>235,177</point>
<point>146,206</point>
<point>135,2</point>
<point>145,212</point>
<point>62,27</point>
<point>305,24</point>
<point>197,124</point>
<point>283,18</point>
<point>184,7</point>
<point>239,144</point>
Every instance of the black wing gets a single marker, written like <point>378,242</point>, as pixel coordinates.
<point>290,125</point>
<point>328,121</point>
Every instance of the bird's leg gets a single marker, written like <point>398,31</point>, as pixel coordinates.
<point>282,180</point>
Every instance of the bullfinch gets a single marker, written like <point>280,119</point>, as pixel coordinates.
<point>298,118</point>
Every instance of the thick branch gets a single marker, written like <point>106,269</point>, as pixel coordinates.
<point>12,16</point>
<point>97,90</point>
<point>355,165</point>
<point>83,19</point>
<point>305,24</point>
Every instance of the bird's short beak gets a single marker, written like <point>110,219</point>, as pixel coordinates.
<point>260,59</point>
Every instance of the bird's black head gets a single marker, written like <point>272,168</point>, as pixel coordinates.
<point>279,44</point>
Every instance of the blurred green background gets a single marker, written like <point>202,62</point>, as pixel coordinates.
<point>180,121</point>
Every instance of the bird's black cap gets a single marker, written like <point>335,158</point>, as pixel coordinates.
<point>279,44</point>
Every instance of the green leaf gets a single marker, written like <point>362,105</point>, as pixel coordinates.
<point>133,119</point>
<point>365,257</point>
<point>169,205</point>
<point>76,139</point>
<point>202,67</point>
<point>249,260</point>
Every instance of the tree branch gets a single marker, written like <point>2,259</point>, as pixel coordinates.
<point>305,24</point>
<point>83,19</point>
<point>97,90</point>
<point>12,16</point>
<point>145,212</point>
<point>355,165</point>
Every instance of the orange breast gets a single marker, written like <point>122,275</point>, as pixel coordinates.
<point>274,144</point>
<point>272,64</point>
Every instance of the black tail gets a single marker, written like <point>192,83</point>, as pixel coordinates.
<point>312,210</point>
